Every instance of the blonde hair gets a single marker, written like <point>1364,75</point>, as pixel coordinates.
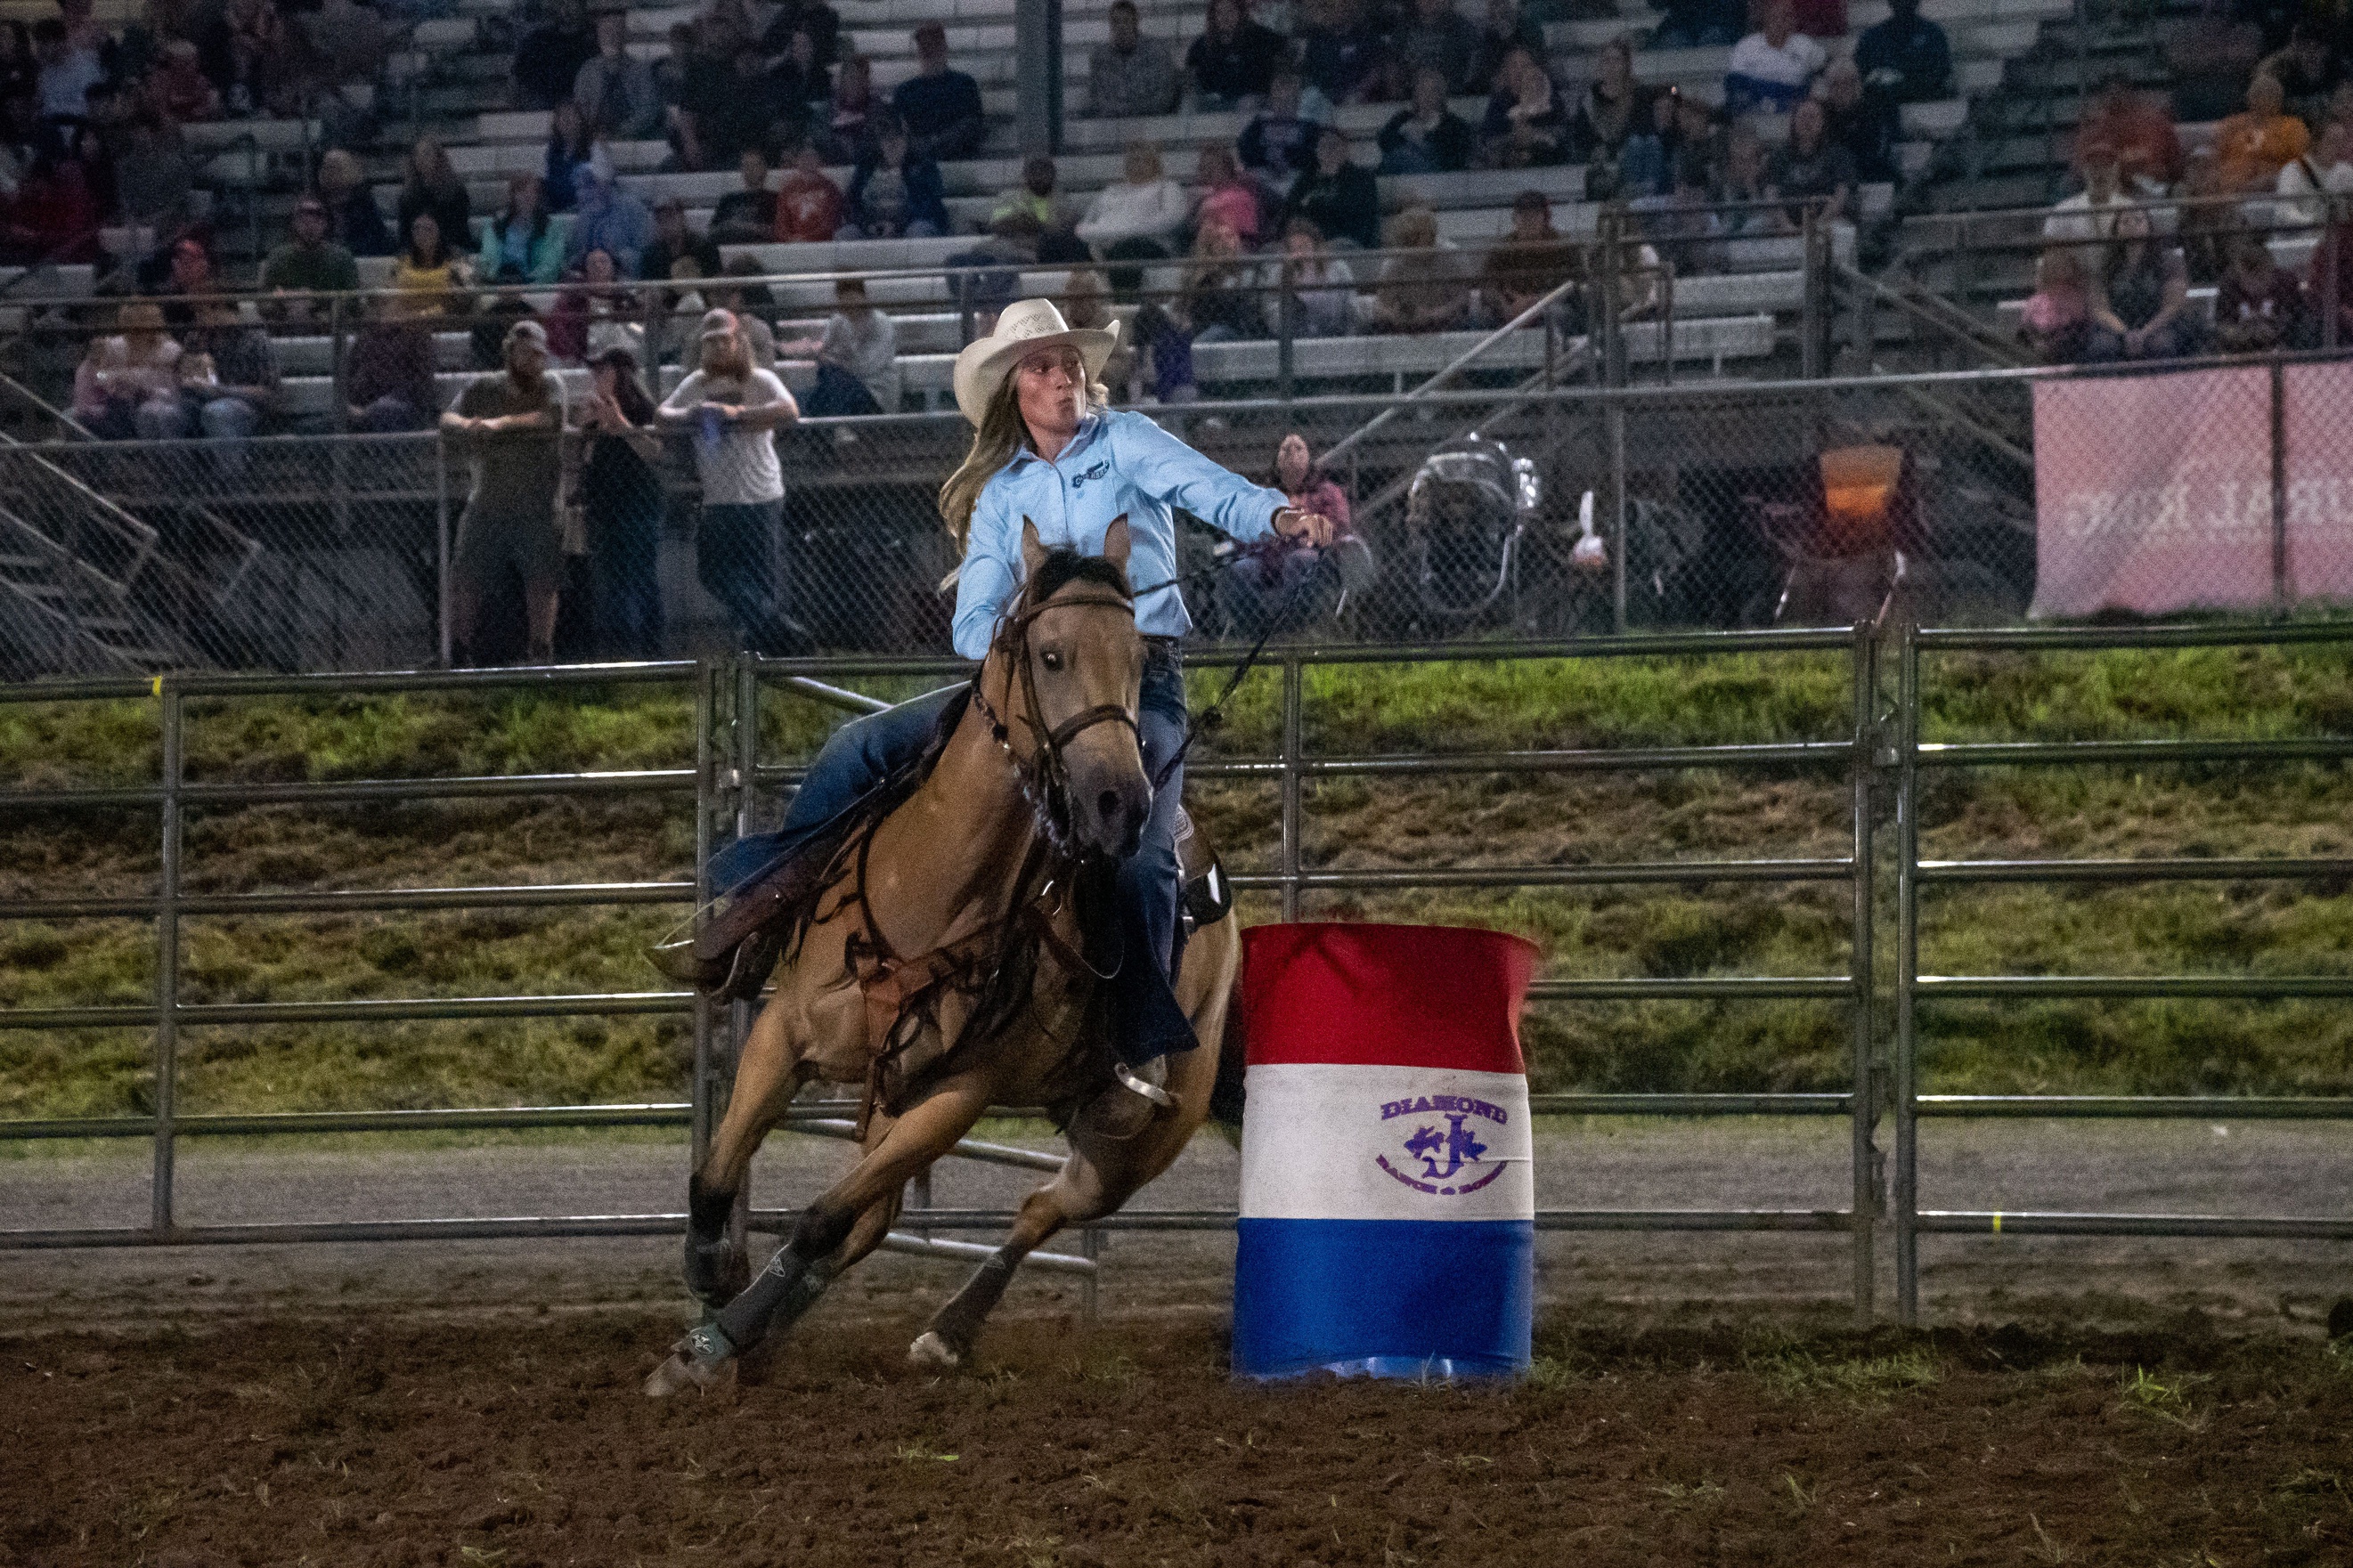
<point>995,441</point>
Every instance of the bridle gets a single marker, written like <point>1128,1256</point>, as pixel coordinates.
<point>1044,776</point>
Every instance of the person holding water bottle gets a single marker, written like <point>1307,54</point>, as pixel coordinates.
<point>733,410</point>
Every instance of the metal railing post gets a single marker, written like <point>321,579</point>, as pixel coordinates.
<point>700,1117</point>
<point>1292,704</point>
<point>443,613</point>
<point>1614,421</point>
<point>1812,325</point>
<point>1286,307</point>
<point>2331,239</point>
<point>1907,969</point>
<point>167,959</point>
<point>1865,1115</point>
<point>2279,488</point>
<point>338,365</point>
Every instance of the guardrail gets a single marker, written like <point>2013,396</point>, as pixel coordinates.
<point>731,778</point>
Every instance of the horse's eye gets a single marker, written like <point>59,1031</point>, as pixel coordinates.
<point>1050,660</point>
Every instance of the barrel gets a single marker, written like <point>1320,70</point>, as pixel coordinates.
<point>1388,1200</point>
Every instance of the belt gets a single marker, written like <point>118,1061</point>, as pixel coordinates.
<point>1170,646</point>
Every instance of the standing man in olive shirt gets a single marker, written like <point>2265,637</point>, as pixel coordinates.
<point>511,424</point>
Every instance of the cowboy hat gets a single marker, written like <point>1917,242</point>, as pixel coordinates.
<point>1023,328</point>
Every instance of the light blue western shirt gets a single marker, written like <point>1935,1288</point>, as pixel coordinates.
<point>1116,463</point>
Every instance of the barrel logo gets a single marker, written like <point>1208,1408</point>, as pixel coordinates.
<point>1436,1133</point>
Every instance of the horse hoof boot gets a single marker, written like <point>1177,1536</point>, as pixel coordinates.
<point>715,1271</point>
<point>934,1353</point>
<point>695,1362</point>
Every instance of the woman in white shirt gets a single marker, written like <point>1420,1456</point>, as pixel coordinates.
<point>2307,183</point>
<point>1140,218</point>
<point>733,410</point>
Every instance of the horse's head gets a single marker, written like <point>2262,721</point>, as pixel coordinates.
<point>1074,669</point>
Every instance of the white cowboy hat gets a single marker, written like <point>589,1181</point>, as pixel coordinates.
<point>1024,327</point>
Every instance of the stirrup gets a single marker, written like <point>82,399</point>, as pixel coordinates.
<point>1134,1085</point>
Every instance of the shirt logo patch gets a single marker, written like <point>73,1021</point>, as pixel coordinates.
<point>1078,482</point>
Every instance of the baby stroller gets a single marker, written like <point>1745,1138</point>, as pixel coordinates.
<point>1467,519</point>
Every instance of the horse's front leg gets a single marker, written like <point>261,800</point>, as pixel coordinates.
<point>771,1072</point>
<point>799,1272</point>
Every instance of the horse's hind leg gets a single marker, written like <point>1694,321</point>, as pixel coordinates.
<point>771,1072</point>
<point>799,1272</point>
<point>1072,1197</point>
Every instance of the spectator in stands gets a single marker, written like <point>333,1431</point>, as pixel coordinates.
<point>809,205</point>
<point>672,72</point>
<point>2335,251</point>
<point>1323,287</point>
<point>1228,195</point>
<point>54,216</point>
<point>154,178</point>
<point>67,74</point>
<point>349,46</point>
<point>128,386</point>
<point>1338,195</point>
<point>1743,187</point>
<point>1613,108</point>
<point>388,374</point>
<point>856,359</point>
<point>1645,162</point>
<point>1866,124</point>
<point>2140,130</point>
<point>1682,226</point>
<point>178,87</point>
<point>2249,149</point>
<point>746,111</point>
<point>429,269</point>
<point>1268,585</point>
<point>621,507</point>
<point>1773,67</point>
<point>748,215</point>
<point>674,241</point>
<point>2056,325</point>
<point>1426,137</point>
<point>1280,140</point>
<point>1232,64</point>
<point>433,186</point>
<point>1700,24</point>
<point>1427,289</point>
<point>1341,53</point>
<point>1531,264</point>
<point>2305,183</point>
<point>1527,116</point>
<point>1905,58</point>
<point>744,300</point>
<point>353,220</point>
<point>2091,213</point>
<point>815,18</point>
<point>1139,217</point>
<point>2308,69</point>
<point>1810,169</point>
<point>1086,305</point>
<point>228,371</point>
<point>1440,38</point>
<point>595,311</point>
<point>570,143</point>
<point>847,134</point>
<point>523,243</point>
<point>549,57</point>
<point>733,409</point>
<point>1219,301</point>
<point>1032,220</point>
<point>2140,304</point>
<point>940,108</point>
<point>896,191</point>
<point>615,90</point>
<point>2259,305</point>
<point>801,87</point>
<point>511,423</point>
<point>309,262</point>
<point>180,273</point>
<point>608,218</point>
<point>1506,28</point>
<point>1132,75</point>
<point>20,70</point>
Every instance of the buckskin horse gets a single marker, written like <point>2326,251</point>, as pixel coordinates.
<point>947,960</point>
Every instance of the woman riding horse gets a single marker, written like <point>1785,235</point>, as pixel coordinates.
<point>1047,450</point>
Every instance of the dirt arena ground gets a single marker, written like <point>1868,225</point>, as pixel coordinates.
<point>521,1441</point>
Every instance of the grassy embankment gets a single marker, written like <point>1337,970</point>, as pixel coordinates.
<point>1666,931</point>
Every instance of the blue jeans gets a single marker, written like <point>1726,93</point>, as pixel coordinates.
<point>1146,1015</point>
<point>735,558</point>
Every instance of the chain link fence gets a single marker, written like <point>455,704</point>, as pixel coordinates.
<point>1501,513</point>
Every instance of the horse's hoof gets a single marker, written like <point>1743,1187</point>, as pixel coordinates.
<point>676,1374</point>
<point>934,1353</point>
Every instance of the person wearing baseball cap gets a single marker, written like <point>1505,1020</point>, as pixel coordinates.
<point>1051,465</point>
<point>510,423</point>
<point>734,409</point>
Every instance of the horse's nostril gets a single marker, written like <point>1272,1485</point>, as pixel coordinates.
<point>1108,805</point>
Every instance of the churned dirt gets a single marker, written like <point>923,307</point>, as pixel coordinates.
<point>514,1440</point>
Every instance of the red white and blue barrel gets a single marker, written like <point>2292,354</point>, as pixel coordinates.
<point>1387,1203</point>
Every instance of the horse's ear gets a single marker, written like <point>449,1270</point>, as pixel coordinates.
<point>1116,541</point>
<point>1033,552</point>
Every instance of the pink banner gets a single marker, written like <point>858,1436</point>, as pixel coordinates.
<point>2153,493</point>
<point>2319,422</point>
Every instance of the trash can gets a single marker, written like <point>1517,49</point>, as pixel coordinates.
<point>1387,1203</point>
